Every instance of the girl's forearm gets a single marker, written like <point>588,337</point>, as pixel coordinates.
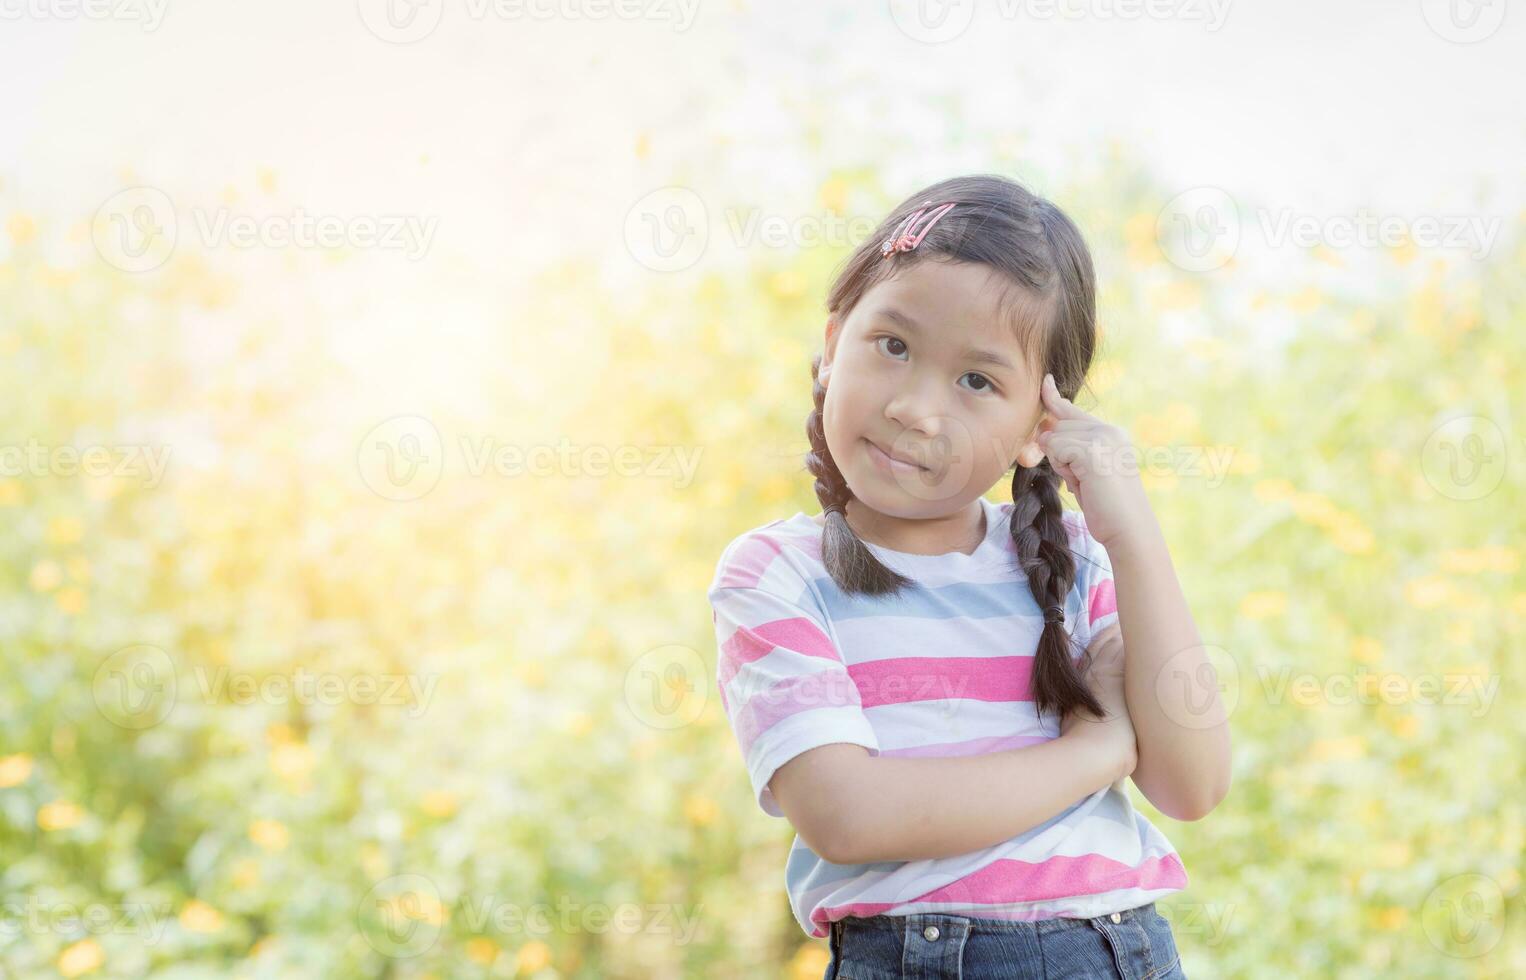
<point>1179,720</point>
<point>909,809</point>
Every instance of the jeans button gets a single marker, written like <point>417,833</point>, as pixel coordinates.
<point>1116,917</point>
<point>930,933</point>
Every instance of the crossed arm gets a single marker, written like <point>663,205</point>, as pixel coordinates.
<point>1180,725</point>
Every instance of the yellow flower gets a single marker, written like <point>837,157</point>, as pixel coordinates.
<point>1242,462</point>
<point>1428,592</point>
<point>833,195</point>
<point>481,950</point>
<point>65,530</point>
<point>246,873</point>
<point>1471,561</point>
<point>439,803</point>
<point>809,961</point>
<point>531,673</point>
<point>786,284</point>
<point>198,916</point>
<point>21,228</point>
<point>700,810</point>
<point>10,490</point>
<point>1345,747</point>
<point>532,956</point>
<point>1306,300</point>
<point>1406,726</point>
<point>1366,649</point>
<point>83,957</point>
<point>272,835</point>
<point>1328,256</point>
<point>1139,235</point>
<point>70,601</point>
<point>280,733</point>
<point>1270,491</point>
<point>1263,605</point>
<point>292,761</point>
<point>59,815</point>
<point>15,769</point>
<point>46,576</point>
<point>1393,918</point>
<point>1348,534</point>
<point>1315,508</point>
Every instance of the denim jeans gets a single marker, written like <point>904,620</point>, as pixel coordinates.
<point>935,946</point>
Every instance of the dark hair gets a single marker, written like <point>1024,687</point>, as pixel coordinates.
<point>1051,299</point>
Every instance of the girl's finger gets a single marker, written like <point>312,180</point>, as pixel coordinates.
<point>1058,404</point>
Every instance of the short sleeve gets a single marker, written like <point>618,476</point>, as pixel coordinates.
<point>783,683</point>
<point>1094,582</point>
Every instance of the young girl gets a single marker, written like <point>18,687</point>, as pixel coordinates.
<point>932,687</point>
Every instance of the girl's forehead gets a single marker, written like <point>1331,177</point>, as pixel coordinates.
<point>966,293</point>
<point>958,302</point>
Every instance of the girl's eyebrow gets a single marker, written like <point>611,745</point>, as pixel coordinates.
<point>979,354</point>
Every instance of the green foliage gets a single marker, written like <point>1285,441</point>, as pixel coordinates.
<point>269,834</point>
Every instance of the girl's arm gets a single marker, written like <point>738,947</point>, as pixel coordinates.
<point>1172,691</point>
<point>1173,697</point>
<point>862,808</point>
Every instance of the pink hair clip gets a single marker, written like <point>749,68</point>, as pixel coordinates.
<point>903,240</point>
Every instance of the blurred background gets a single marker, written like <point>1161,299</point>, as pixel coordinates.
<point>383,380</point>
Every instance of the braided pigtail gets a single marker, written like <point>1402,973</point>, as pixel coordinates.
<point>850,563</point>
<point>1043,550</point>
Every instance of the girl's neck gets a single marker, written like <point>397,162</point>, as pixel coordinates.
<point>960,532</point>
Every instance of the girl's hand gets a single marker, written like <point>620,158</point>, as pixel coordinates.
<point>1103,672</point>
<point>1099,465</point>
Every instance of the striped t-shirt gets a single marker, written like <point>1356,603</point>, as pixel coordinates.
<point>941,669</point>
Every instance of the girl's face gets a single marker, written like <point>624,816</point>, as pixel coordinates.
<point>927,370</point>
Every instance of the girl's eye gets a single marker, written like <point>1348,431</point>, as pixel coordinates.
<point>985,381</point>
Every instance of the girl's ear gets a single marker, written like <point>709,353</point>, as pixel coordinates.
<point>1030,453</point>
<point>829,348</point>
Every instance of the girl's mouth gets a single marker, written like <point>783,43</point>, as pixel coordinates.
<point>891,464</point>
